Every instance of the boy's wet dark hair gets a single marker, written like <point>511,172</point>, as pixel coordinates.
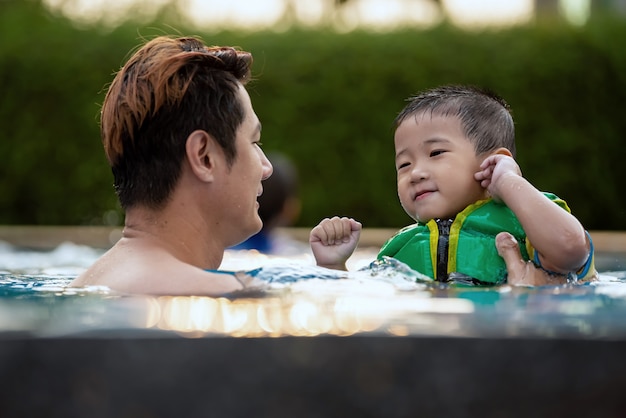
<point>485,117</point>
<point>169,88</point>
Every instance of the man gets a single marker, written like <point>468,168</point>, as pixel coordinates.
<point>182,139</point>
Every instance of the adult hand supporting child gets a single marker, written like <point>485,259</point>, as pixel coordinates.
<point>520,272</point>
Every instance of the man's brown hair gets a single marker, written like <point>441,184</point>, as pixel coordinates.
<point>169,88</point>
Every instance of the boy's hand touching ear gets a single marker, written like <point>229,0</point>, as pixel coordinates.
<point>333,241</point>
<point>494,168</point>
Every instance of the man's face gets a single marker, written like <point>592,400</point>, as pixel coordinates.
<point>243,180</point>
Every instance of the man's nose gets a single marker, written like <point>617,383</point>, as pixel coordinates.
<point>268,169</point>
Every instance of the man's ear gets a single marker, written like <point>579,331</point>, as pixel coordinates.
<point>201,152</point>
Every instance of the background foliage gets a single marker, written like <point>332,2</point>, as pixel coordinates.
<point>325,99</point>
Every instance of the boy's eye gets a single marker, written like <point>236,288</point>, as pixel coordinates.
<point>402,165</point>
<point>436,152</point>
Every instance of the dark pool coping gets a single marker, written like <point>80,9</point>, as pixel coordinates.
<point>358,376</point>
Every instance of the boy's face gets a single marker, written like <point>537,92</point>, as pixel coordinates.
<point>435,163</point>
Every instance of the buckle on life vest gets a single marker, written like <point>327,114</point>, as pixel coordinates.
<point>465,280</point>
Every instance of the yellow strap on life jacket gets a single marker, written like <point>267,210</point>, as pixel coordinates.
<point>455,231</point>
<point>434,241</point>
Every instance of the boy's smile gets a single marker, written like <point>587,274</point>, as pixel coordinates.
<point>423,194</point>
<point>435,164</point>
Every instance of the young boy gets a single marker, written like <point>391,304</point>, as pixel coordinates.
<point>457,177</point>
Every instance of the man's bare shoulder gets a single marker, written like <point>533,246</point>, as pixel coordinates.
<point>124,271</point>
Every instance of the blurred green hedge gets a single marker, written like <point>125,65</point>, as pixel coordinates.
<point>325,99</point>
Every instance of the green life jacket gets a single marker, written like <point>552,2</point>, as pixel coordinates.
<point>462,249</point>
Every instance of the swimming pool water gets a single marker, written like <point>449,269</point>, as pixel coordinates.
<point>300,299</point>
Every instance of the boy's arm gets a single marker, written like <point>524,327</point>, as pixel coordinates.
<point>556,235</point>
<point>333,241</point>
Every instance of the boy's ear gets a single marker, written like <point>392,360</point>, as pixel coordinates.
<point>503,151</point>
<point>201,151</point>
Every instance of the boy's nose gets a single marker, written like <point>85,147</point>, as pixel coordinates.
<point>419,173</point>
